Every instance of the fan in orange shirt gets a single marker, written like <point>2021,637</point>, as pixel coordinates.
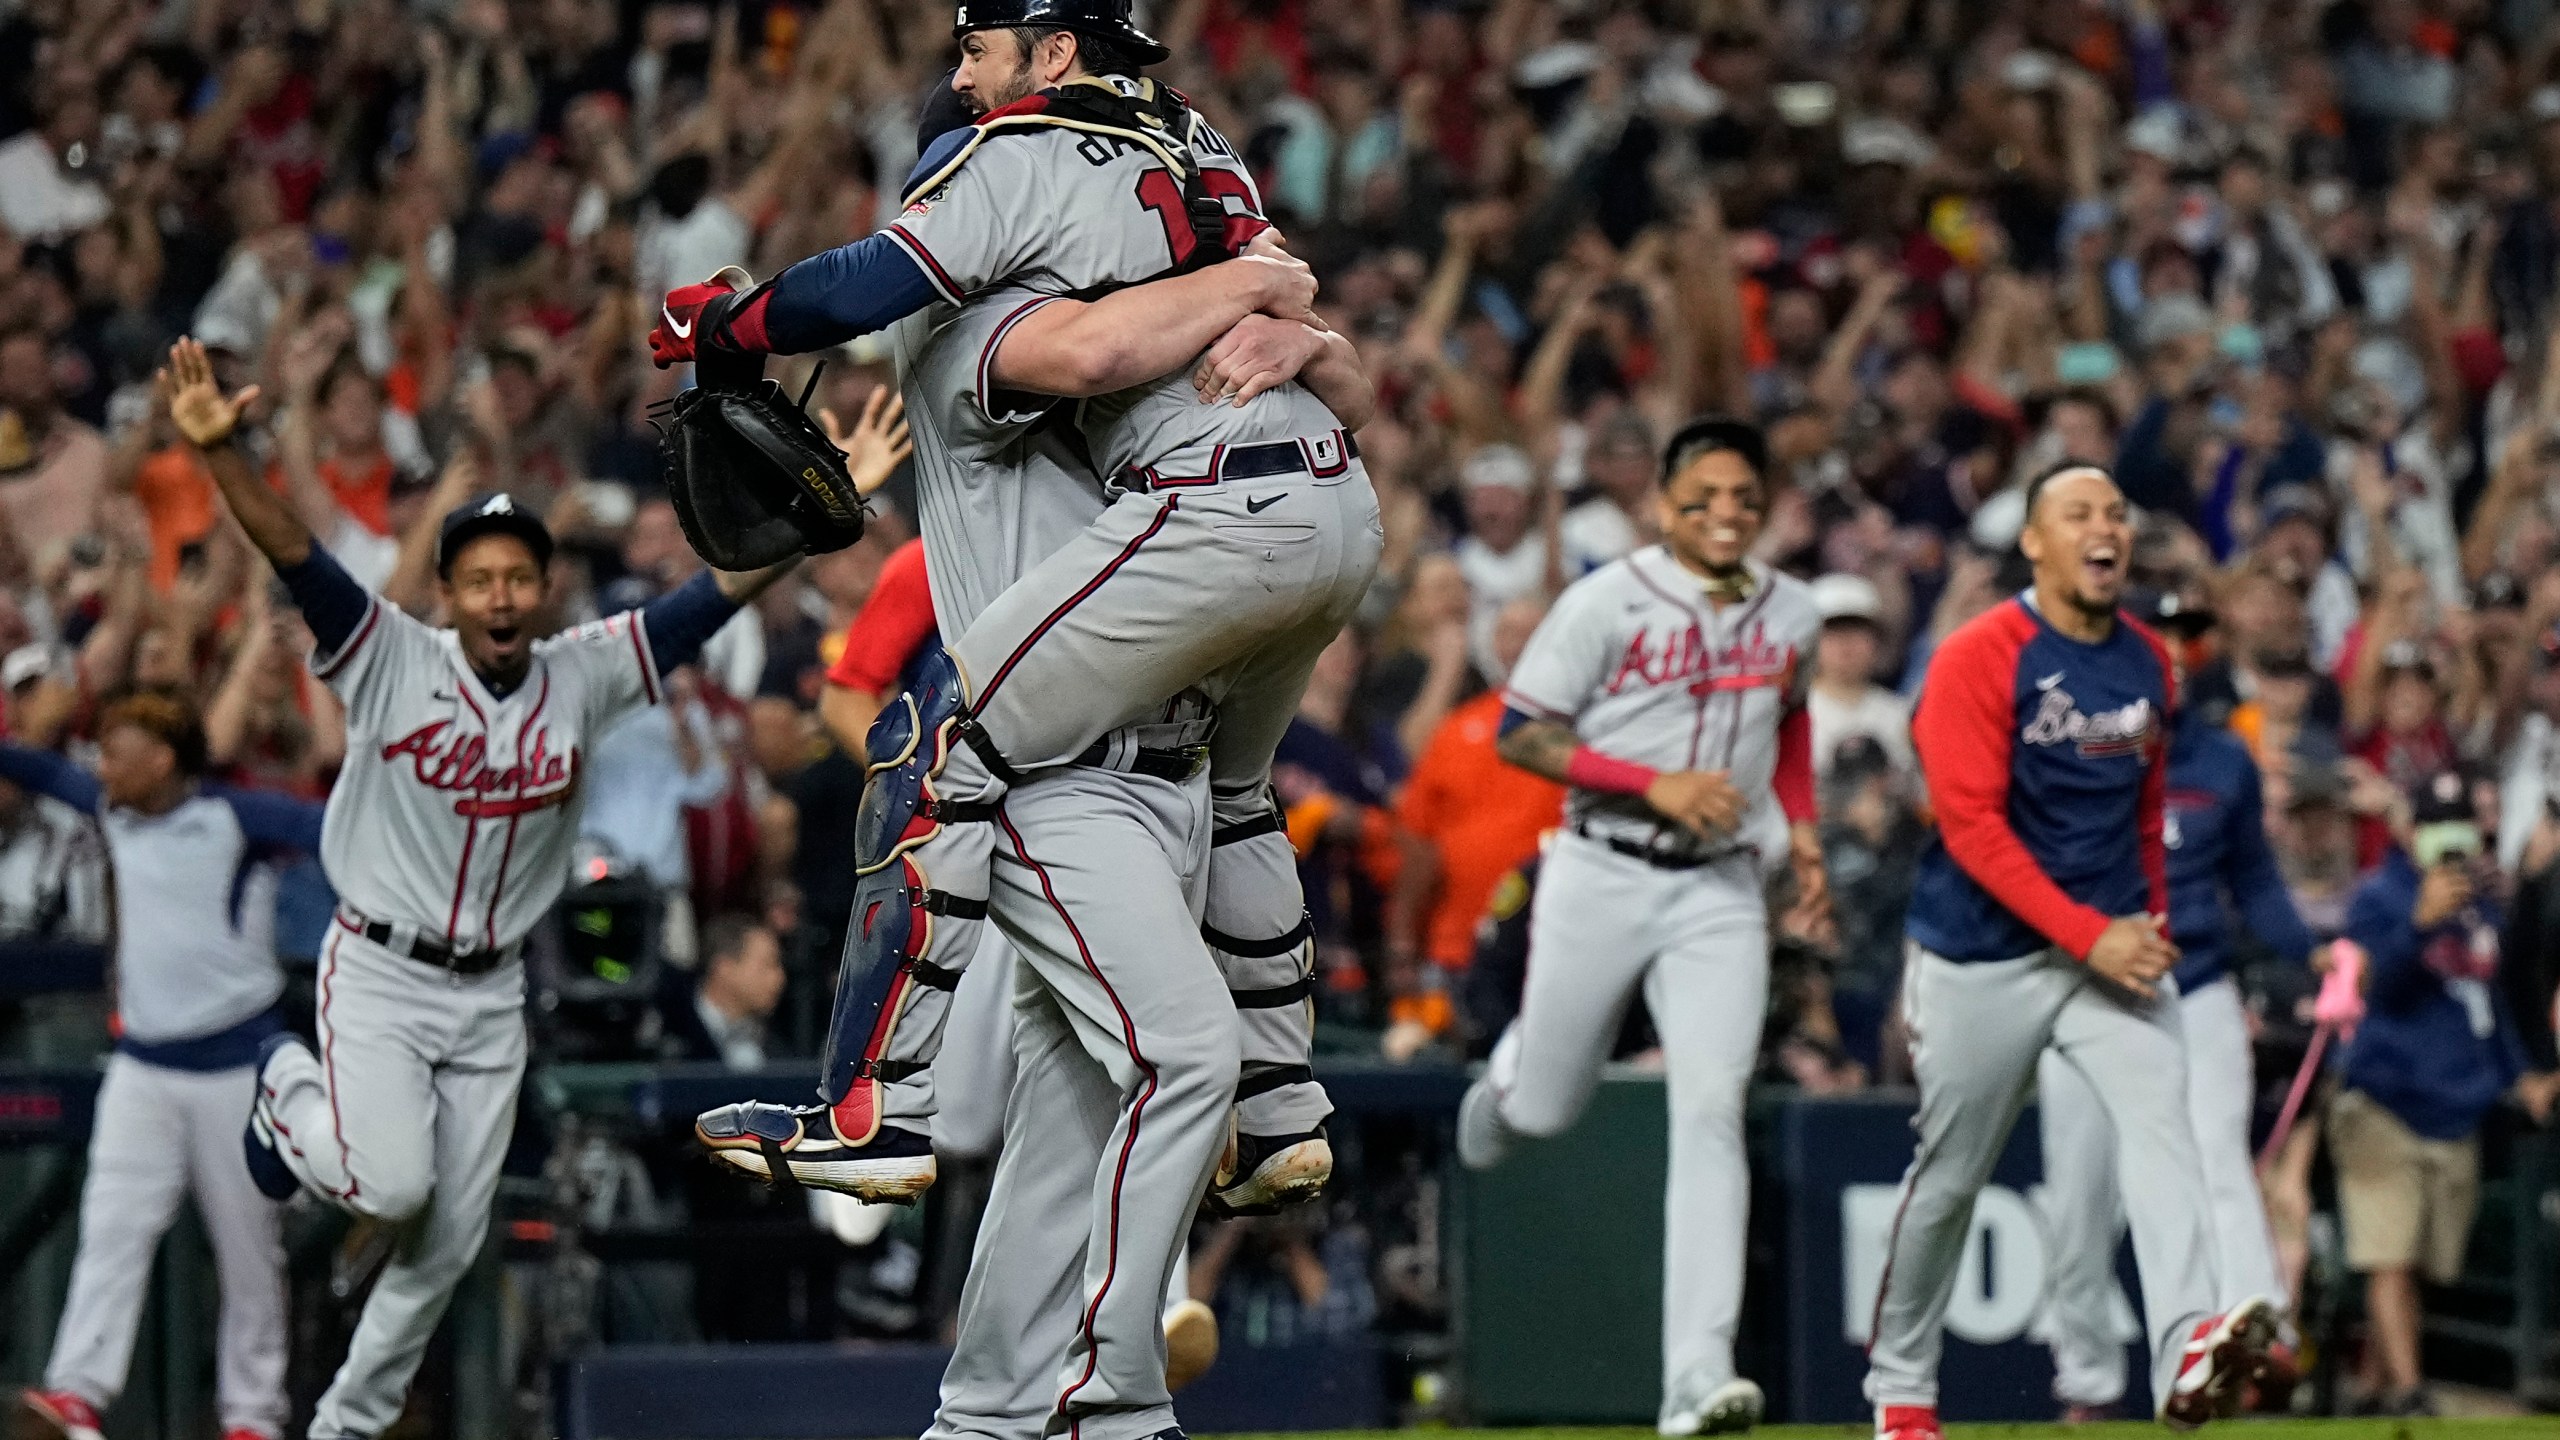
<point>1473,819</point>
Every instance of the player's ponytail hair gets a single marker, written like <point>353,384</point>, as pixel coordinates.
<point>166,717</point>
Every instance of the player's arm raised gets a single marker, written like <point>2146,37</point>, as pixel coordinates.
<point>1129,337</point>
<point>208,418</point>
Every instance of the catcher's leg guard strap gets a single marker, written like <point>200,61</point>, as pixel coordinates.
<point>1264,947</point>
<point>1266,823</point>
<point>1255,921</point>
<point>1275,997</point>
<point>1270,1078</point>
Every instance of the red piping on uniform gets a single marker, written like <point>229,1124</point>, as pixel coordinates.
<point>987,354</point>
<point>648,666</point>
<point>498,887</point>
<point>329,1068</point>
<point>1082,594</point>
<point>1137,1107</point>
<point>346,652</point>
<point>940,277</point>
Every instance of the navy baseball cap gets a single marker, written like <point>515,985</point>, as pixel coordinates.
<point>493,515</point>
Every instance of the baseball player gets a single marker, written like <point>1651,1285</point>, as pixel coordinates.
<point>1075,181</point>
<point>2037,923</point>
<point>196,991</point>
<point>2219,864</point>
<point>1666,689</point>
<point>447,836</point>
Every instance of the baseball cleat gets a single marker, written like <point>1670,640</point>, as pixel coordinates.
<point>1482,1137</point>
<point>2271,1387</point>
<point>782,1144</point>
<point>259,1141</point>
<point>1736,1406</point>
<point>2077,1414</point>
<point>1908,1422</point>
<point>1263,1173</point>
<point>1190,1342</point>
<point>55,1415</point>
<point>2221,1356</point>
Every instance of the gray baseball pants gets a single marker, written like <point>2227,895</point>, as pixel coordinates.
<point>403,1118</point>
<point>1978,1031</point>
<point>162,1135</point>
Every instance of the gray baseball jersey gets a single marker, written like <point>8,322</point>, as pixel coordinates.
<point>995,491</point>
<point>457,809</point>
<point>1645,669</point>
<point>1068,213</point>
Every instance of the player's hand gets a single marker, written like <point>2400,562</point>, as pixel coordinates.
<point>197,405</point>
<point>1258,353</point>
<point>1703,801</point>
<point>2444,890</point>
<point>2537,1094</point>
<point>1282,284</point>
<point>2134,952</point>
<point>680,317</point>
<point>1813,882</point>
<point>877,444</point>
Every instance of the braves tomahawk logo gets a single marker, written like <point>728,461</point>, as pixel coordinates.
<point>443,758</point>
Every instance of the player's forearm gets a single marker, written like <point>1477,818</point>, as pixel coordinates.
<point>268,521</point>
<point>827,299</point>
<point>1335,377</point>
<point>1541,747</point>
<point>1077,348</point>
<point>46,773</point>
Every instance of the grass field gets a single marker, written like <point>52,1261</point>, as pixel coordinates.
<point>2537,1427</point>
<point>2522,1428</point>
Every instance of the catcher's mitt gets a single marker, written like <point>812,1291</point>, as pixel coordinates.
<point>753,479</point>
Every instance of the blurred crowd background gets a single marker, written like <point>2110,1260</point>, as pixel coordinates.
<point>2288,268</point>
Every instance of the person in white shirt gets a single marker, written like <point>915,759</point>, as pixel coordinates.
<point>643,773</point>
<point>1844,699</point>
<point>1618,465</point>
<point>49,189</point>
<point>1506,554</point>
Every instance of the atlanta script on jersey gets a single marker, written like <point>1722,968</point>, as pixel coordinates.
<point>457,809</point>
<point>1645,669</point>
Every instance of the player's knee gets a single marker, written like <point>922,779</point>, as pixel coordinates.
<point>392,1200</point>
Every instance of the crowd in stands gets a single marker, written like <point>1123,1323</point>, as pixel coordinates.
<point>2287,268</point>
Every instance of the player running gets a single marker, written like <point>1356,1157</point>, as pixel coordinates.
<point>2037,922</point>
<point>1667,690</point>
<point>447,836</point>
<point>2220,867</point>
<point>196,991</point>
<point>1240,538</point>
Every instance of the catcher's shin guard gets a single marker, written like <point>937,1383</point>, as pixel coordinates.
<point>1255,921</point>
<point>923,848</point>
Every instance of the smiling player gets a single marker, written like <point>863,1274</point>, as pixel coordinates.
<point>2038,921</point>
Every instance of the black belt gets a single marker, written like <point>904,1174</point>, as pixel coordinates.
<point>1247,462</point>
<point>475,961</point>
<point>1656,856</point>
<point>1177,764</point>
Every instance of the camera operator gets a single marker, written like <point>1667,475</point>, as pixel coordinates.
<point>2437,1050</point>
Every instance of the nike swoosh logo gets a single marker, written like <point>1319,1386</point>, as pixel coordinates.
<point>441,694</point>
<point>1256,507</point>
<point>2050,681</point>
<point>681,332</point>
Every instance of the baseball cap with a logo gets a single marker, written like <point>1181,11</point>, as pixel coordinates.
<point>491,515</point>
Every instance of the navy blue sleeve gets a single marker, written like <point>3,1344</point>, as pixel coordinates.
<point>331,601</point>
<point>268,818</point>
<point>1513,719</point>
<point>838,294</point>
<point>680,621</point>
<point>936,154</point>
<point>2249,868</point>
<point>46,773</point>
<point>2378,919</point>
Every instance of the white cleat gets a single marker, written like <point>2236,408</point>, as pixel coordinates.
<point>1482,1137</point>
<point>1736,1406</point>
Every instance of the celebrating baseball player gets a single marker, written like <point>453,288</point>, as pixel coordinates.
<point>1099,886</point>
<point>196,991</point>
<point>2038,922</point>
<point>1666,689</point>
<point>2220,865</point>
<point>1241,538</point>
<point>447,836</point>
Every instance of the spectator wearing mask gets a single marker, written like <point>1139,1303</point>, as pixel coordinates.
<point>2436,1051</point>
<point>196,991</point>
<point>1506,555</point>
<point>1472,819</point>
<point>1844,700</point>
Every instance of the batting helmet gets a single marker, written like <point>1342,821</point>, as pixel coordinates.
<point>1104,19</point>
